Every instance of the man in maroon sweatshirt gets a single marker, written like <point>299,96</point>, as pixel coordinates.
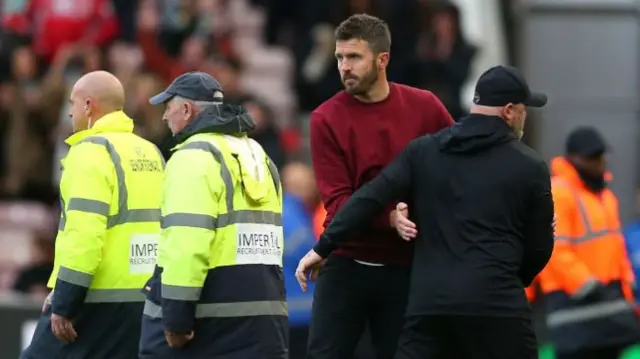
<point>353,136</point>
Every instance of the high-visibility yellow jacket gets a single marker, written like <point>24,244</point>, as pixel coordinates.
<point>220,253</point>
<point>110,223</point>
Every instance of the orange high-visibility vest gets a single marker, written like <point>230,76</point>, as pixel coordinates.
<point>318,220</point>
<point>589,253</point>
<point>530,291</point>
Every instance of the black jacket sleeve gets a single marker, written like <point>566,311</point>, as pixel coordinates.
<point>539,229</point>
<point>393,183</point>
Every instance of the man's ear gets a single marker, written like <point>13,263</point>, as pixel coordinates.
<point>383,60</point>
<point>87,106</point>
<point>188,109</point>
<point>507,111</point>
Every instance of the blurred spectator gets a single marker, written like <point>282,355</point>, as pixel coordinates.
<point>181,19</point>
<point>300,199</point>
<point>125,61</point>
<point>228,73</point>
<point>266,133</point>
<point>444,57</point>
<point>588,283</point>
<point>191,43</point>
<point>32,109</point>
<point>53,23</point>
<point>318,78</point>
<point>126,11</point>
<point>33,278</point>
<point>148,118</point>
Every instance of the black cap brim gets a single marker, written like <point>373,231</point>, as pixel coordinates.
<point>536,99</point>
<point>160,98</point>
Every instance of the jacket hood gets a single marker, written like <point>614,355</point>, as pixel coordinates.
<point>223,119</point>
<point>475,133</point>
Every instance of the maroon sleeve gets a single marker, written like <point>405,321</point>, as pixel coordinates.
<point>332,175</point>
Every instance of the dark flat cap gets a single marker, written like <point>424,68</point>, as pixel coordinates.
<point>195,86</point>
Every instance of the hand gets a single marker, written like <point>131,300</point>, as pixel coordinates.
<point>63,328</point>
<point>311,261</point>
<point>400,220</point>
<point>177,340</point>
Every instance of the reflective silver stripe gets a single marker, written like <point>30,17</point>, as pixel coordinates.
<point>227,310</point>
<point>274,175</point>
<point>134,216</point>
<point>176,292</point>
<point>224,170</point>
<point>226,219</point>
<point>114,295</point>
<point>241,309</point>
<point>74,277</point>
<point>590,234</point>
<point>587,313</point>
<point>240,216</point>
<point>587,288</point>
<point>188,220</point>
<point>63,215</point>
<point>124,214</point>
<point>249,216</point>
<point>89,206</point>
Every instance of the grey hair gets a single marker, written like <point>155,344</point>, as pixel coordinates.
<point>201,105</point>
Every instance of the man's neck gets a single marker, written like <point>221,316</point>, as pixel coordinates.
<point>378,92</point>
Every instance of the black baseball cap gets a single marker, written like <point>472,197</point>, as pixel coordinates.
<point>501,85</point>
<point>195,86</point>
<point>586,141</point>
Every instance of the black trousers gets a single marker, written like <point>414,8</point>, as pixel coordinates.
<point>349,296</point>
<point>613,352</point>
<point>467,337</point>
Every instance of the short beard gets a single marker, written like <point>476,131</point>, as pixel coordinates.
<point>364,84</point>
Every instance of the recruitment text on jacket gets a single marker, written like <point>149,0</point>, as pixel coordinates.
<point>219,269</point>
<point>105,248</point>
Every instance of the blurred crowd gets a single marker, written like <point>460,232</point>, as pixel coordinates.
<point>275,57</point>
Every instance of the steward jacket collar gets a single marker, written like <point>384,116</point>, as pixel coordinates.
<point>116,121</point>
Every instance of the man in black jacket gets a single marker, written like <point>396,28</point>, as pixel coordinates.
<point>482,203</point>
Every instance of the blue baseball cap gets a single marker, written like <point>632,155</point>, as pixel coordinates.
<point>194,86</point>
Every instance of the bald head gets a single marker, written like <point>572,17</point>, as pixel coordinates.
<point>104,88</point>
<point>298,179</point>
<point>96,94</point>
